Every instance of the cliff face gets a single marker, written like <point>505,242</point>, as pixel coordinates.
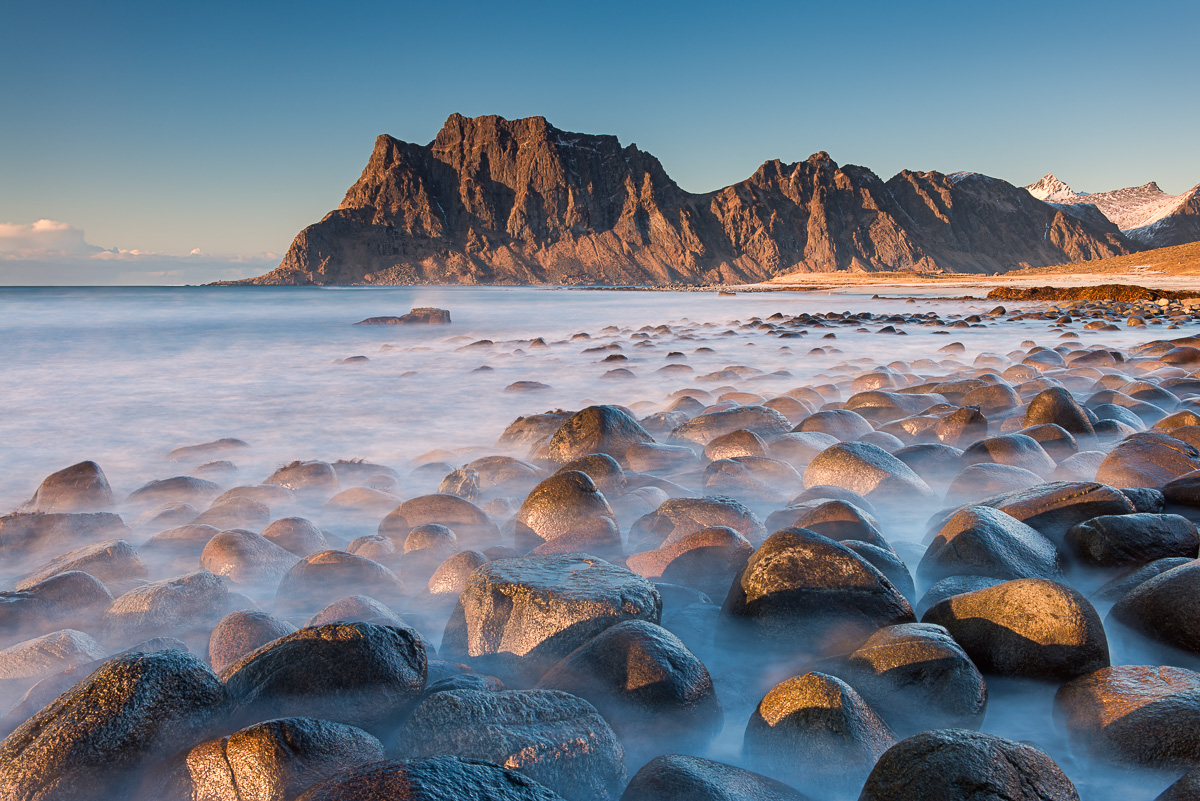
<point>520,202</point>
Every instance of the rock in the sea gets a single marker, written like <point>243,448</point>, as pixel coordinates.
<point>679,777</point>
<point>1055,507</point>
<point>418,316</point>
<point>240,633</point>
<point>1149,459</point>
<point>470,524</point>
<point>1134,715</point>
<point>110,562</point>
<point>517,617</point>
<point>297,535</point>
<point>178,489</point>
<point>1057,406</point>
<point>272,761</point>
<point>359,674</point>
<point>1027,628</point>
<point>656,694</point>
<point>707,560</point>
<point>868,470</point>
<point>244,557</point>
<point>314,476</point>
<point>1165,608</point>
<point>1117,541</point>
<point>322,578</point>
<point>26,663</point>
<point>26,538</point>
<point>801,591</point>
<point>596,429</point>
<point>982,541</point>
<point>442,778</point>
<point>185,607</point>
<point>79,488</point>
<point>66,600</point>
<point>679,517</point>
<point>568,505</point>
<point>451,576</point>
<point>704,428</point>
<point>554,738</point>
<point>963,765</point>
<point>94,742</point>
<point>816,733</point>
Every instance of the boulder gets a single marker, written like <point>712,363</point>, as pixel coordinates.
<point>1120,541</point>
<point>801,590</point>
<point>868,470</point>
<point>312,477</point>
<point>963,765</point>
<point>272,761</point>
<point>517,617</point>
<point>297,535</point>
<point>679,517</point>
<point>596,429</point>
<point>79,488</point>
<point>1134,715</point>
<point>357,609</point>
<point>654,691</point>
<point>28,538</point>
<point>110,562</point>
<point>437,779</point>
<point>451,576</point>
<point>1055,507</point>
<point>678,777</point>
<point>567,505</point>
<point>1150,459</point>
<point>359,674</point>
<point>244,557</point>
<point>322,578</point>
<point>1165,608</point>
<point>185,607</point>
<point>178,489</point>
<point>1015,450</point>
<point>235,513</point>
<point>982,541</point>
<point>703,429</point>
<point>1027,628</point>
<point>707,560</point>
<point>816,733</point>
<point>984,480</point>
<point>419,316</point>
<point>71,600</point>
<point>470,524</point>
<point>842,424</point>
<point>26,663</point>
<point>1057,406</point>
<point>1115,589</point>
<point>240,633</point>
<point>552,737</point>
<point>94,742</point>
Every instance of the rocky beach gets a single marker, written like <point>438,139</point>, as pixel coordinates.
<point>601,545</point>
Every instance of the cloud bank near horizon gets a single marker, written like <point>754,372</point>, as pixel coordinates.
<point>56,253</point>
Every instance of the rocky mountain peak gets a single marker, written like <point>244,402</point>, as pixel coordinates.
<point>1051,189</point>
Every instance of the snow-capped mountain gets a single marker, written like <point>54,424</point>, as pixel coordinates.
<point>1145,214</point>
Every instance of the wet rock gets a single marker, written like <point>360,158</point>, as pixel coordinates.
<point>1115,589</point>
<point>180,489</point>
<point>657,695</point>
<point>651,457</point>
<point>842,424</point>
<point>185,607</point>
<point>1056,405</point>
<point>1165,608</point>
<point>109,562</point>
<point>984,480</point>
<point>800,589</point>
<point>66,600</point>
<point>25,537</point>
<point>1114,541</point>
<point>451,576</point>
<point>240,633</point>
<point>882,406</point>
<point>735,443</point>
<point>463,483</point>
<point>962,765</point>
<point>356,609</point>
<point>1027,628</point>
<point>680,517</point>
<point>887,562</point>
<point>868,470</point>
<point>244,557</point>
<point>437,779</point>
<point>1016,450</point>
<point>1055,507</point>
<point>469,523</point>
<point>24,664</point>
<point>268,494</point>
<point>525,431</point>
<point>563,505</point>
<point>992,399</point>
<point>314,476</point>
<point>704,428</point>
<point>916,677</point>
<point>165,515</point>
<point>596,429</point>
<point>982,541</point>
<point>517,617</point>
<point>207,450</point>
<point>94,741</point>
<point>237,512</point>
<point>297,535</point>
<point>272,761</point>
<point>799,448</point>
<point>815,732</point>
<point>706,560</point>
<point>79,488</point>
<point>552,737</point>
<point>359,674</point>
<point>1134,715</point>
<point>949,587</point>
<point>1150,459</point>
<point>678,777</point>
<point>935,463</point>
<point>1145,499</point>
<point>322,578</point>
<point>601,468</point>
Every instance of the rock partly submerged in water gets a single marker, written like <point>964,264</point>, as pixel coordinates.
<point>419,316</point>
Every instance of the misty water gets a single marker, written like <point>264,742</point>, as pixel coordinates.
<point>123,376</point>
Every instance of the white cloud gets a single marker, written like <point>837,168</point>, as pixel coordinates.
<point>53,253</point>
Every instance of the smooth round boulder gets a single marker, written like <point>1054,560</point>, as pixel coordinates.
<point>601,468</point>
<point>110,562</point>
<point>451,576</point>
<point>800,591</point>
<point>868,470</point>
<point>311,477</point>
<point>554,738</point>
<point>816,733</point>
<point>26,663</point>
<point>1134,715</point>
<point>704,428</point>
<point>962,427</point>
<point>359,674</point>
<point>95,741</point>
<point>707,560</point>
<point>470,524</point>
<point>842,424</point>
<point>916,677</point>
<point>963,765</point>
<point>244,557</point>
<point>436,779</point>
<point>596,429</point>
<point>679,517</point>
<point>679,777</point>
<point>185,607</point>
<point>241,632</point>
<point>654,691</point>
<point>235,513</point>
<point>178,489</point>
<point>562,506</point>
<point>982,541</point>
<point>71,600</point>
<point>1059,407</point>
<point>1055,507</point>
<point>752,478</point>
<point>1165,608</point>
<point>356,609</point>
<point>1015,450</point>
<point>81,487</point>
<point>735,443</point>
<point>517,617</point>
<point>297,535</point>
<point>1027,628</point>
<point>1121,541</point>
<point>983,480</point>
<point>799,448</point>
<point>1150,459</point>
<point>1114,590</point>
<point>272,761</point>
<point>322,578</point>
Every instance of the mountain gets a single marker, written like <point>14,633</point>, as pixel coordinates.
<point>1146,214</point>
<point>502,201</point>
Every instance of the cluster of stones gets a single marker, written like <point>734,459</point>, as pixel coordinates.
<point>544,625</point>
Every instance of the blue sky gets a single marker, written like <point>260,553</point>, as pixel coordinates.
<point>167,128</point>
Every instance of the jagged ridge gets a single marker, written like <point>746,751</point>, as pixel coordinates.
<point>1145,214</point>
<point>502,201</point>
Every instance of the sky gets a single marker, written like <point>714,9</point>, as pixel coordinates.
<point>171,143</point>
